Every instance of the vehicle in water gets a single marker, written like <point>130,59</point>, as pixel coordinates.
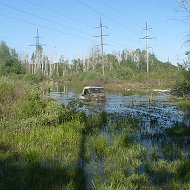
<point>93,93</point>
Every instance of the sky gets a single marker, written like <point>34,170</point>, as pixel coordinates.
<point>68,27</point>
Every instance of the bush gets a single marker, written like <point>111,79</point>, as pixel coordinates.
<point>182,89</point>
<point>7,92</point>
<point>31,106</point>
<point>7,98</point>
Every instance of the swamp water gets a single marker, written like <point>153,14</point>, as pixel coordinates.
<point>120,156</point>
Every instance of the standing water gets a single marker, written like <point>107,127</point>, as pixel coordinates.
<point>154,117</point>
<point>153,120</point>
<point>160,112</point>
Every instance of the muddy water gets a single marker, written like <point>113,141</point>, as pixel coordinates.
<point>154,117</point>
<point>159,112</point>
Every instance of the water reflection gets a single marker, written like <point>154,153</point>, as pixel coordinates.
<point>153,120</point>
<point>64,97</point>
<point>155,117</point>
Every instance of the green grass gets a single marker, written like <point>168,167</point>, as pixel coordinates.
<point>47,145</point>
<point>49,157</point>
<point>185,104</point>
<point>41,157</point>
<point>178,131</point>
<point>117,161</point>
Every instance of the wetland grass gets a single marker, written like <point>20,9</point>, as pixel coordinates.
<point>46,145</point>
<point>179,131</point>
<point>122,163</point>
<point>115,159</point>
<point>185,104</point>
<point>41,157</point>
<point>60,157</point>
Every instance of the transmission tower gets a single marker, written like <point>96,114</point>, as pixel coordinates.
<point>101,43</point>
<point>38,54</point>
<point>147,38</point>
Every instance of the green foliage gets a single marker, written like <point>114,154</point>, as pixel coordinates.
<point>9,62</point>
<point>23,104</point>
<point>7,91</point>
<point>128,67</point>
<point>182,86</point>
<point>184,104</point>
<point>33,78</point>
<point>7,98</point>
<point>37,112</point>
<point>41,158</point>
<point>178,131</point>
<point>184,171</point>
<point>69,112</point>
<point>31,106</point>
<point>127,124</point>
<point>51,145</point>
<point>33,154</point>
<point>100,145</point>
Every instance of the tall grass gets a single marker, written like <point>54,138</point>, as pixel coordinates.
<point>40,157</point>
<point>39,140</point>
<point>47,145</point>
<point>116,160</point>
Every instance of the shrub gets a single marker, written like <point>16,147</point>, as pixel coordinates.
<point>7,98</point>
<point>7,92</point>
<point>32,105</point>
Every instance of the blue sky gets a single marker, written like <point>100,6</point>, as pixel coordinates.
<point>68,27</point>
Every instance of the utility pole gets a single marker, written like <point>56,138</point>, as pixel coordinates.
<point>147,38</point>
<point>101,43</point>
<point>38,58</point>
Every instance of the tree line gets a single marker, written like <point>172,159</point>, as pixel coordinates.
<point>120,65</point>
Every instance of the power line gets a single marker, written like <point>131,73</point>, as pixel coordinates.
<point>48,20</point>
<point>60,14</point>
<point>118,12</point>
<point>58,31</point>
<point>91,8</point>
<point>102,43</point>
<point>65,16</point>
<point>41,26</point>
<point>25,12</point>
<point>45,27</point>
<point>38,58</point>
<point>118,44</point>
<point>102,14</point>
<point>147,38</point>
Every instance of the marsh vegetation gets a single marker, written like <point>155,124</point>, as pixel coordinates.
<point>49,141</point>
<point>46,144</point>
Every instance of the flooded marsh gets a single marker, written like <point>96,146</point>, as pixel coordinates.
<point>123,143</point>
<point>133,149</point>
